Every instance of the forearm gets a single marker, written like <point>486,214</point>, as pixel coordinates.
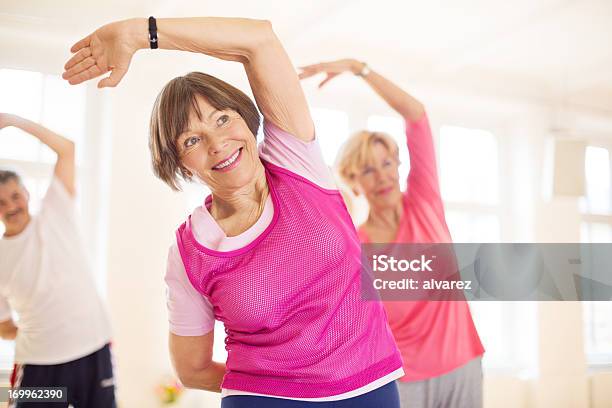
<point>60,145</point>
<point>401,101</point>
<point>423,172</point>
<point>271,75</point>
<point>208,379</point>
<point>235,39</point>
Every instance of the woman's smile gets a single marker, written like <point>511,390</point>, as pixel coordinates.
<point>384,191</point>
<point>229,163</point>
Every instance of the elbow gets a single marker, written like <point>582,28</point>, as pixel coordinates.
<point>265,30</point>
<point>195,375</point>
<point>196,379</point>
<point>415,113</point>
<point>186,378</point>
<point>262,36</point>
<point>421,110</point>
<point>68,150</point>
<point>71,148</point>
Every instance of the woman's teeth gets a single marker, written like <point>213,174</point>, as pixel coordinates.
<point>228,161</point>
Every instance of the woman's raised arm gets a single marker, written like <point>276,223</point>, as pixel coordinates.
<point>401,101</point>
<point>273,79</point>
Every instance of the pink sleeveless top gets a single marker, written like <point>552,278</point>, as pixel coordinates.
<point>290,300</point>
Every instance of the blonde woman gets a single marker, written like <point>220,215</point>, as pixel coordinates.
<point>439,344</point>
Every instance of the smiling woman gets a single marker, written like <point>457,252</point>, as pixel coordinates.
<point>272,252</point>
<point>187,104</point>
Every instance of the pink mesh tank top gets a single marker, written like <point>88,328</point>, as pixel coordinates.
<point>290,300</point>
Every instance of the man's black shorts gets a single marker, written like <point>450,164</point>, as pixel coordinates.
<point>89,381</point>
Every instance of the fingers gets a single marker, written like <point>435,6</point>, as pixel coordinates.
<point>327,79</point>
<point>81,44</point>
<point>84,70</point>
<point>306,74</point>
<point>78,57</point>
<point>309,67</point>
<point>114,78</point>
<point>79,67</point>
<point>89,73</point>
<point>311,70</point>
<point>332,69</point>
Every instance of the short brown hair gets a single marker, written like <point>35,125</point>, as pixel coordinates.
<point>356,153</point>
<point>8,175</point>
<point>170,118</point>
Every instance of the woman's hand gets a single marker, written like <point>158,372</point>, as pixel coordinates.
<point>332,69</point>
<point>109,48</point>
<point>401,101</point>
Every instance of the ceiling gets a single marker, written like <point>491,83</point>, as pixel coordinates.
<point>553,50</point>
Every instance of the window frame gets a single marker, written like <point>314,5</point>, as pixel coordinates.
<point>596,361</point>
<point>517,312</point>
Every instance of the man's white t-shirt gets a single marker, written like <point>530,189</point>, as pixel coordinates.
<point>46,278</point>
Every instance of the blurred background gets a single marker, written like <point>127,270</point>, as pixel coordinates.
<point>519,96</point>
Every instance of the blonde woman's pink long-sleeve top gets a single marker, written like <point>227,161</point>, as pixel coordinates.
<point>434,338</point>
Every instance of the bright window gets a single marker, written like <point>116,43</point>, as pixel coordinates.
<point>598,186</point>
<point>595,232</point>
<point>508,331</point>
<point>470,185</point>
<point>596,227</point>
<point>22,95</point>
<point>46,99</point>
<point>468,226</point>
<point>469,178</point>
<point>332,130</point>
<point>598,332</point>
<point>469,165</point>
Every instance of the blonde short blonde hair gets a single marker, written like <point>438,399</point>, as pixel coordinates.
<point>356,153</point>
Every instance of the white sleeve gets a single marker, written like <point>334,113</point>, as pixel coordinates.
<point>5,309</point>
<point>58,204</point>
<point>189,313</point>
